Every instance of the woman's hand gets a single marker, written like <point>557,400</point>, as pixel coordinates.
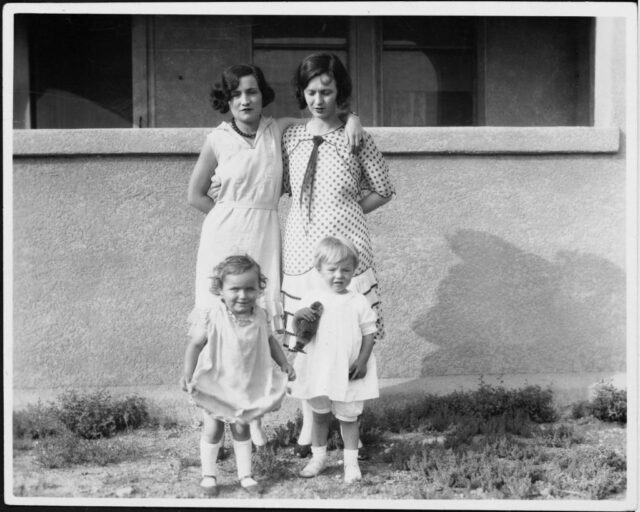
<point>358,369</point>
<point>185,384</point>
<point>306,314</point>
<point>354,132</point>
<point>288,369</point>
<point>373,201</point>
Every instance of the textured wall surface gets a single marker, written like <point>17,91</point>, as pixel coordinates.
<point>488,264</point>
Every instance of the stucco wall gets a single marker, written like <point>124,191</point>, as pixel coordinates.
<point>506,256</point>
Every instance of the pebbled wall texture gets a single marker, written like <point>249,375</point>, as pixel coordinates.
<point>501,254</point>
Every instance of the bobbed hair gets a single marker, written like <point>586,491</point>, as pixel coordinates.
<point>317,64</point>
<point>235,265</point>
<point>221,93</point>
<point>332,250</point>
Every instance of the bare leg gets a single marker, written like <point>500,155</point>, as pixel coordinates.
<point>350,434</point>
<point>319,435</point>
<point>320,430</point>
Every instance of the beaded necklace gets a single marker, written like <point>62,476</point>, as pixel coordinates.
<point>240,132</point>
<point>241,321</point>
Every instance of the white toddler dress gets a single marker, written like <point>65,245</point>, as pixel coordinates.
<point>324,369</point>
<point>235,379</point>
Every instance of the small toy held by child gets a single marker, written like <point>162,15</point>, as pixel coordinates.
<point>304,330</point>
<point>338,371</point>
<point>228,370</point>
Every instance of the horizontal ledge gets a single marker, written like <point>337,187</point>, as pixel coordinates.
<point>448,140</point>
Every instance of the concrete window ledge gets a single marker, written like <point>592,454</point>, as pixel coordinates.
<point>398,141</point>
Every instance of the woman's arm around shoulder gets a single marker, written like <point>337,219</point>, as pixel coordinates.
<point>286,122</point>
<point>200,180</point>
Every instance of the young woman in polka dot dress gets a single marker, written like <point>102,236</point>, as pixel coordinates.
<point>332,189</point>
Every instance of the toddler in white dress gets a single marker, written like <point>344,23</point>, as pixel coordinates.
<point>338,371</point>
<point>228,367</point>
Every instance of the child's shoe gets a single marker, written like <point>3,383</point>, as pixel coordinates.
<point>352,473</point>
<point>209,485</point>
<point>315,466</point>
<point>251,486</point>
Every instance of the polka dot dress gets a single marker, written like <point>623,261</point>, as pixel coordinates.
<point>329,207</point>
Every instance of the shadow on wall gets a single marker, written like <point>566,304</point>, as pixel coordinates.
<point>503,310</point>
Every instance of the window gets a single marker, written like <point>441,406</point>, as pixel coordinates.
<point>428,71</point>
<point>80,71</point>
<point>281,42</point>
<point>94,70</point>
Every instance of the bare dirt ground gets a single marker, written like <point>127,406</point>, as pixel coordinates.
<point>166,465</point>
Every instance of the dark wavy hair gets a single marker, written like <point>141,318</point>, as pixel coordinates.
<point>221,93</point>
<point>317,64</point>
<point>236,264</point>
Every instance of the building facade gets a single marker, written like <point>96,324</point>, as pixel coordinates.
<point>504,252</point>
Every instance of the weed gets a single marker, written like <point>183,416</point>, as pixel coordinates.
<point>95,415</point>
<point>285,435</point>
<point>36,421</point>
<point>609,403</point>
<point>266,463</point>
<point>561,436</point>
<point>581,409</point>
<point>401,455</point>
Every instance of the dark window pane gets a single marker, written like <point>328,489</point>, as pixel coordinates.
<point>428,71</point>
<point>80,71</point>
<point>305,30</point>
<point>437,32</point>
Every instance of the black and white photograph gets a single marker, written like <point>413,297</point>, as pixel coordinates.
<point>198,196</point>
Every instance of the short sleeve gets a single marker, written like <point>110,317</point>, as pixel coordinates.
<point>375,170</point>
<point>366,316</point>
<point>212,141</point>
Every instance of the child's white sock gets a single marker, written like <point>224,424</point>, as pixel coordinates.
<point>258,436</point>
<point>307,423</point>
<point>350,457</point>
<point>351,469</point>
<point>208,456</point>
<point>319,452</point>
<point>242,449</point>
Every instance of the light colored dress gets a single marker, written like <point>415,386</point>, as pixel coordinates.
<point>341,179</point>
<point>235,379</point>
<point>324,369</point>
<point>244,220</point>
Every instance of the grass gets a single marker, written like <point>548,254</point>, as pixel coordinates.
<point>489,443</point>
